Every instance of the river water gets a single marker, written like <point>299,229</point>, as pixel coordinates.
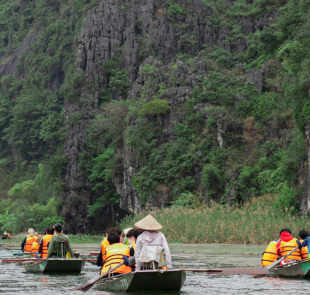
<point>14,280</point>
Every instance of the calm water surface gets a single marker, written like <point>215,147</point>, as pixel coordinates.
<point>14,280</point>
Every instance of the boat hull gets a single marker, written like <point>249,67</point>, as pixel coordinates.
<point>55,265</point>
<point>296,270</point>
<point>150,280</point>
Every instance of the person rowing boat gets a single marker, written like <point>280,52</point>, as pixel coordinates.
<point>150,237</point>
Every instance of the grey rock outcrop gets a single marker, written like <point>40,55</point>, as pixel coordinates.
<point>140,32</point>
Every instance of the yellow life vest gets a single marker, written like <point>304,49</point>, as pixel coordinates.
<point>133,244</point>
<point>29,242</point>
<point>270,254</point>
<point>286,247</point>
<point>304,251</point>
<point>46,242</point>
<point>114,256</point>
<point>34,249</point>
<point>104,245</point>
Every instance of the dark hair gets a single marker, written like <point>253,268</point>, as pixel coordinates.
<point>303,234</point>
<point>113,238</point>
<point>49,231</point>
<point>130,233</point>
<point>58,227</point>
<point>137,232</point>
<point>114,230</point>
<point>285,230</point>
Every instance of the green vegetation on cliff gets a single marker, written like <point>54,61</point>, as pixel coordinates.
<point>234,136</point>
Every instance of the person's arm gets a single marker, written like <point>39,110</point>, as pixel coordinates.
<point>50,247</point>
<point>40,247</point>
<point>305,242</point>
<point>299,244</point>
<point>99,259</point>
<point>23,243</point>
<point>166,252</point>
<point>70,249</point>
<point>137,253</point>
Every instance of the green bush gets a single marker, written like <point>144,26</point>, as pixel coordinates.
<point>155,107</point>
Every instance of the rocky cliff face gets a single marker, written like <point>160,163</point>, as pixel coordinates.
<point>145,32</point>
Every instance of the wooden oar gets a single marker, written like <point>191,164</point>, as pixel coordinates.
<point>274,264</point>
<point>5,247</point>
<point>232,271</point>
<point>86,286</point>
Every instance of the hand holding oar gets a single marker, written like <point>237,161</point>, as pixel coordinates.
<point>86,286</point>
<point>274,264</point>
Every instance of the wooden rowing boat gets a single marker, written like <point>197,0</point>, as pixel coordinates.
<point>63,265</point>
<point>148,280</point>
<point>296,269</point>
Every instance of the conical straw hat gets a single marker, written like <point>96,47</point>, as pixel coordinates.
<point>149,223</point>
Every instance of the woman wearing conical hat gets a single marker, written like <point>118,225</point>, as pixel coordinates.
<point>151,237</point>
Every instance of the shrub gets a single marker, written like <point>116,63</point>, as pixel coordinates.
<point>155,107</point>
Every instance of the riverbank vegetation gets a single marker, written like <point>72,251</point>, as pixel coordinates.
<point>258,221</point>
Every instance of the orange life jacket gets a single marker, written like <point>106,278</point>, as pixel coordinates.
<point>34,249</point>
<point>304,251</point>
<point>29,242</point>
<point>104,245</point>
<point>114,256</point>
<point>46,242</point>
<point>286,247</point>
<point>270,254</point>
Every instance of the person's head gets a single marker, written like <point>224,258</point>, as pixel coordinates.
<point>130,236</point>
<point>30,232</point>
<point>303,234</point>
<point>285,230</point>
<point>115,230</point>
<point>113,238</point>
<point>58,228</point>
<point>49,231</point>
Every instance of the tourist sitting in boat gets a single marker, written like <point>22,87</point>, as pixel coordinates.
<point>286,244</point>
<point>116,253</point>
<point>270,254</point>
<point>303,234</point>
<point>132,236</point>
<point>105,244</point>
<point>6,235</point>
<point>125,240</point>
<point>45,242</point>
<point>56,244</point>
<point>28,241</point>
<point>150,237</point>
<point>306,243</point>
<point>35,249</point>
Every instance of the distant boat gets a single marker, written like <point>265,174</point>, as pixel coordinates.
<point>147,280</point>
<point>296,269</point>
<point>63,265</point>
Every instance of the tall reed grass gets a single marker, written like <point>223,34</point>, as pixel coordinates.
<point>257,222</point>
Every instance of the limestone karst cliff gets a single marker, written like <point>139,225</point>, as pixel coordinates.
<point>151,102</point>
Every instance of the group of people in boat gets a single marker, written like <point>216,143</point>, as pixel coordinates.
<point>47,246</point>
<point>117,248</point>
<point>284,245</point>
<point>6,235</point>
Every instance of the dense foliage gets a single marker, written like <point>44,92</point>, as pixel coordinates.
<point>193,167</point>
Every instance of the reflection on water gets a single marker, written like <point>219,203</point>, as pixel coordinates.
<point>14,280</point>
